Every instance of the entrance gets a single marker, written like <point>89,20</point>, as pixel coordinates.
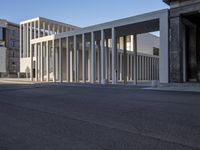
<point>191,47</point>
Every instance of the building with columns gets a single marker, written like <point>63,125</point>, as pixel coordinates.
<point>119,51</point>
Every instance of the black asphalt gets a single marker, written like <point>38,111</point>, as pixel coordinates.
<point>63,117</point>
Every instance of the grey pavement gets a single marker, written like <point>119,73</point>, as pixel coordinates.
<point>91,117</point>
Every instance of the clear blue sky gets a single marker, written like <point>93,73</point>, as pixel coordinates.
<point>77,12</point>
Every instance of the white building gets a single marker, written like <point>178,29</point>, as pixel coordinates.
<point>117,51</point>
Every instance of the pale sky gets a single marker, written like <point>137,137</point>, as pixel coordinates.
<point>77,12</point>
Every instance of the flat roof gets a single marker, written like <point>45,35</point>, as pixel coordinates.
<point>48,20</point>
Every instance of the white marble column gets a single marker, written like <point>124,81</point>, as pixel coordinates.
<point>49,29</point>
<point>36,61</point>
<point>44,29</point>
<point>35,32</point>
<point>114,56</point>
<point>41,63</point>
<point>39,30</point>
<point>75,59</point>
<point>27,41</point>
<point>54,61</point>
<point>102,57</point>
<point>67,60</point>
<point>120,60</point>
<point>128,66</point>
<point>60,61</point>
<point>93,58</point>
<point>131,67</point>
<point>31,63</point>
<point>47,61</point>
<point>83,59</point>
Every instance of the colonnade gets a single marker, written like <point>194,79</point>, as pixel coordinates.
<point>90,58</point>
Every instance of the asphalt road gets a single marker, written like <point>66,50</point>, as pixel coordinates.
<point>59,117</point>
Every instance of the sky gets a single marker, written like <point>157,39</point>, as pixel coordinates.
<point>81,13</point>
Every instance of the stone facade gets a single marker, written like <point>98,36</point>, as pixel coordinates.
<point>184,39</point>
<point>9,49</point>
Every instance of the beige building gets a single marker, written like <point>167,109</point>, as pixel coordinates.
<point>9,49</point>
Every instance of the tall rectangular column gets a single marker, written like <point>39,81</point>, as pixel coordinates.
<point>131,67</point>
<point>128,67</point>
<point>67,60</point>
<point>125,60</point>
<point>31,63</point>
<point>36,62</point>
<point>83,59</point>
<point>41,63</point>
<point>47,61</point>
<point>120,66</point>
<point>102,57</point>
<point>114,56</point>
<point>135,59</point>
<point>93,60</point>
<point>60,61</point>
<point>75,59</point>
<point>54,61</point>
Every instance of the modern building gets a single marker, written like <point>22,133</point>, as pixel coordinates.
<point>9,49</point>
<point>117,51</point>
<point>184,40</point>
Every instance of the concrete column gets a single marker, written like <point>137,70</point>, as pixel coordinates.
<point>57,62</point>
<point>114,56</point>
<point>36,62</point>
<point>128,66</point>
<point>125,60</point>
<point>164,51</point>
<point>102,57</point>
<point>135,59</point>
<point>44,29</point>
<point>83,59</point>
<point>24,40</point>
<point>58,29</point>
<point>41,63</point>
<point>53,30</point>
<point>47,61</point>
<point>49,29</point>
<point>109,64</point>
<point>75,59</point>
<point>60,60</point>
<point>31,63</point>
<point>93,58</point>
<point>39,30</point>
<point>21,41</point>
<point>54,61</point>
<point>31,31</point>
<point>131,66</point>
<point>35,32</point>
<point>62,29</point>
<point>67,60</point>
<point>106,60</point>
<point>27,41</point>
<point>120,60</point>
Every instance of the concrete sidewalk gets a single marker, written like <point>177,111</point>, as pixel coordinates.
<point>182,87</point>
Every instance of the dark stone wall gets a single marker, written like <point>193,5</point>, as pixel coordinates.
<point>176,50</point>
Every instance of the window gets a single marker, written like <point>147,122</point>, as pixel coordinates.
<point>2,42</point>
<point>156,51</point>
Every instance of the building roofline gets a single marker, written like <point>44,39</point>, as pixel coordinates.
<point>9,23</point>
<point>48,20</point>
<point>120,22</point>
